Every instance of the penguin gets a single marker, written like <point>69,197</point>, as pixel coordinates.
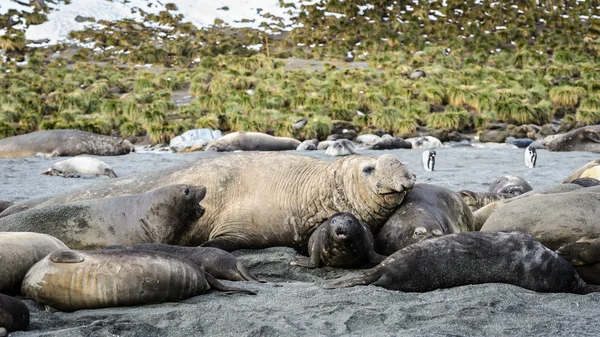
<point>428,160</point>
<point>530,157</point>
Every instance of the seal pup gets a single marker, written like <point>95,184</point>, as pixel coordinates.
<point>477,200</point>
<point>162,215</point>
<point>513,185</point>
<point>341,241</point>
<point>252,141</point>
<point>70,280</point>
<point>308,145</point>
<point>530,157</point>
<point>428,160</point>
<point>418,73</point>
<point>426,212</point>
<point>368,139</point>
<point>472,258</point>
<point>341,147</point>
<point>57,143</point>
<point>215,261</point>
<point>20,251</point>
<point>81,165</point>
<point>426,142</point>
<point>388,142</point>
<point>14,314</point>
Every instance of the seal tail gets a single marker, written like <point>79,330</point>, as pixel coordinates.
<point>246,274</point>
<point>215,284</point>
<point>110,173</point>
<point>366,278</point>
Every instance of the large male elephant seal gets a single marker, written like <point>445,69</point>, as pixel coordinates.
<point>426,212</point>
<point>14,314</point>
<point>215,261</point>
<point>341,241</point>
<point>81,165</point>
<point>473,258</point>
<point>20,251</point>
<point>556,220</point>
<point>63,143</point>
<point>252,141</point>
<point>257,200</point>
<point>70,280</point>
<point>477,200</point>
<point>512,185</point>
<point>589,170</point>
<point>586,138</point>
<point>163,215</point>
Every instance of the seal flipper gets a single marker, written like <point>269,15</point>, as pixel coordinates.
<point>581,253</point>
<point>66,256</point>
<point>315,260</point>
<point>215,284</point>
<point>366,278</point>
<point>228,244</point>
<point>375,257</point>
<point>246,274</point>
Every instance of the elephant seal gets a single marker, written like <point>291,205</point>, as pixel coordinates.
<point>20,251</point>
<point>472,258</point>
<point>308,145</point>
<point>302,192</point>
<point>424,143</point>
<point>584,169</point>
<point>512,185</point>
<point>426,212</point>
<point>14,314</point>
<point>162,215</point>
<point>388,142</point>
<point>324,145</point>
<point>586,182</point>
<point>81,165</point>
<point>70,280</point>
<point>252,141</point>
<point>59,143</point>
<point>586,138</point>
<point>215,261</point>
<point>341,147</point>
<point>368,139</point>
<point>341,241</point>
<point>4,204</point>
<point>476,200</point>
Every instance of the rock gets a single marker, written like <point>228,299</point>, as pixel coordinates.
<point>517,131</point>
<point>39,41</point>
<point>340,126</point>
<point>194,140</point>
<point>437,108</point>
<point>349,134</point>
<point>80,18</point>
<point>497,126</point>
<point>547,130</point>
<point>494,136</point>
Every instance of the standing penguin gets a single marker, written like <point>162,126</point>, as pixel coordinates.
<point>530,157</point>
<point>428,160</point>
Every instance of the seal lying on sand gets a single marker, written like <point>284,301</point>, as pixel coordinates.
<point>476,200</point>
<point>20,251</point>
<point>215,261</point>
<point>388,142</point>
<point>512,185</point>
<point>586,182</point>
<point>14,314</point>
<point>341,241</point>
<point>162,215</point>
<point>299,192</point>
<point>557,221</point>
<point>586,138</point>
<point>341,147</point>
<point>252,141</point>
<point>472,258</point>
<point>426,142</point>
<point>70,280</point>
<point>427,211</point>
<point>308,145</point>
<point>82,165</point>
<point>63,143</point>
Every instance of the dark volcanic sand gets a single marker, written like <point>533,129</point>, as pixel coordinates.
<point>293,303</point>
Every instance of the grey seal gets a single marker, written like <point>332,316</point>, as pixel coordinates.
<point>513,185</point>
<point>341,147</point>
<point>81,165</point>
<point>252,141</point>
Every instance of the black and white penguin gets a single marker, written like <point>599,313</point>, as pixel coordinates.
<point>530,157</point>
<point>428,160</point>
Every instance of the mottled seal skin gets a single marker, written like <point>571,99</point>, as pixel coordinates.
<point>70,280</point>
<point>477,200</point>
<point>60,143</point>
<point>586,182</point>
<point>20,251</point>
<point>252,141</point>
<point>427,211</point>
<point>14,314</point>
<point>473,258</point>
<point>215,261</point>
<point>308,145</point>
<point>579,172</point>
<point>4,204</point>
<point>81,165</point>
<point>426,142</point>
<point>163,215</point>
<point>512,185</point>
<point>301,192</point>
<point>586,138</point>
<point>341,241</point>
<point>341,147</point>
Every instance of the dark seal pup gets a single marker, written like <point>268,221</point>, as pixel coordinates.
<point>473,258</point>
<point>513,185</point>
<point>14,314</point>
<point>57,143</point>
<point>341,241</point>
<point>215,261</point>
<point>70,280</point>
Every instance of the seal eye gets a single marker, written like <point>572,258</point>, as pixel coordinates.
<point>186,191</point>
<point>368,169</point>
